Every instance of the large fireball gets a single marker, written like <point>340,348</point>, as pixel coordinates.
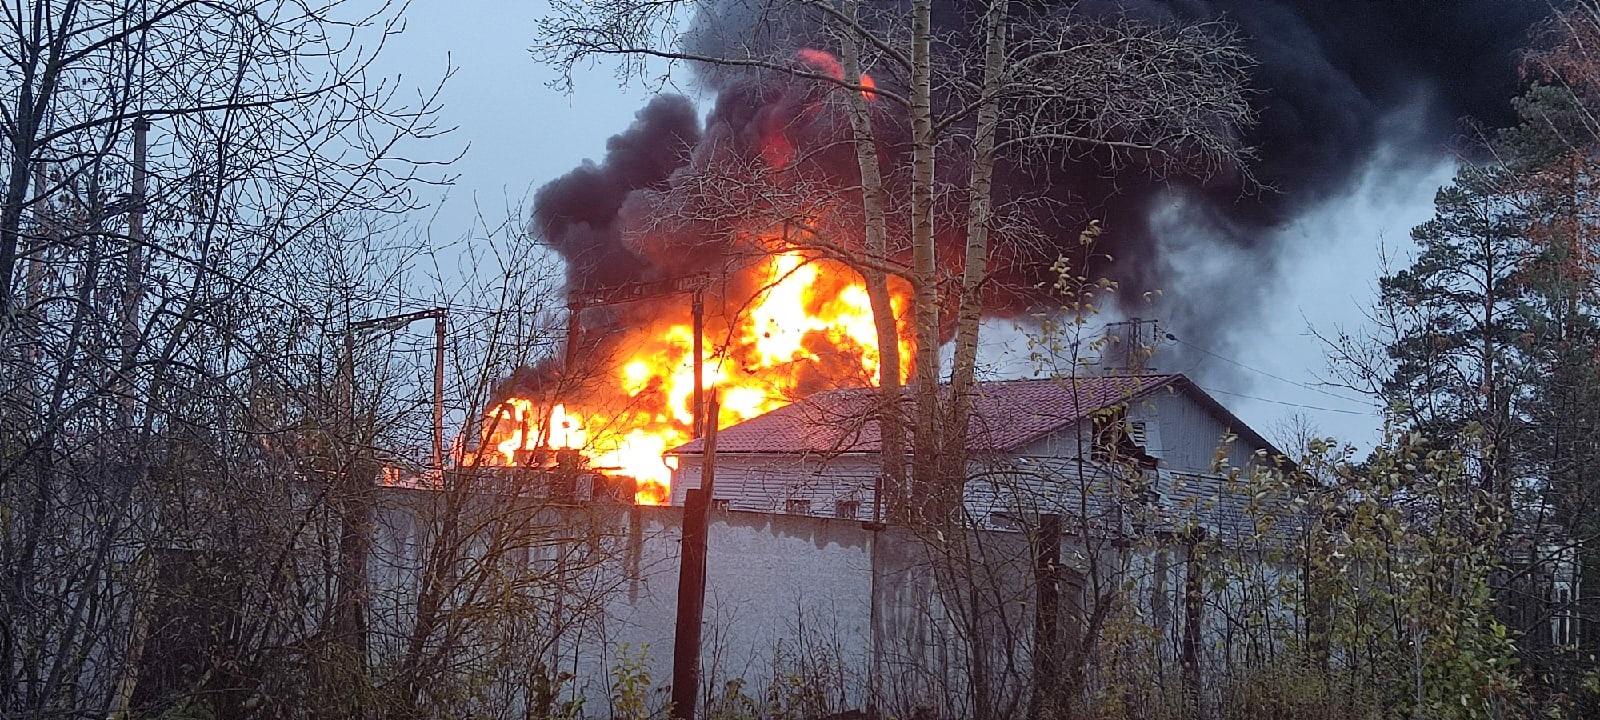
<point>811,319</point>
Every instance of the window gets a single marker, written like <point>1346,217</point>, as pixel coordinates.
<point>1136,433</point>
<point>719,504</point>
<point>1561,625</point>
<point>795,506</point>
<point>1004,521</point>
<point>1120,440</point>
<point>847,509</point>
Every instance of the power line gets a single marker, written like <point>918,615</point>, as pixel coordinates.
<point>1290,404</point>
<point>1259,371</point>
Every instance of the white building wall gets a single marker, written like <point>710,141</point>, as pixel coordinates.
<point>1185,434</point>
<point>789,484</point>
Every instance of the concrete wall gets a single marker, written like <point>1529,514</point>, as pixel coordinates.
<point>847,612</point>
<point>817,615</point>
<point>783,595</point>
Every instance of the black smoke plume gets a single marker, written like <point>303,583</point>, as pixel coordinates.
<point>1334,78</point>
<point>580,213</point>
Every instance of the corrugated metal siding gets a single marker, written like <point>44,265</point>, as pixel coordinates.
<point>1044,475</point>
<point>768,483</point>
<point>1188,433</point>
<point>1179,431</point>
<point>1023,487</point>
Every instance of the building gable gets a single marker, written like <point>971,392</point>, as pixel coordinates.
<point>818,457</point>
<point>1007,415</point>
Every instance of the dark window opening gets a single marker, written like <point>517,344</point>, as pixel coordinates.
<point>1120,441</point>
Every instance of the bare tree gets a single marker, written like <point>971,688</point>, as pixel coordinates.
<point>176,174</point>
<point>1023,87</point>
<point>1037,86</point>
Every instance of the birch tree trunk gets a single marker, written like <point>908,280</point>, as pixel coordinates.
<point>891,425</point>
<point>924,273</point>
<point>980,210</point>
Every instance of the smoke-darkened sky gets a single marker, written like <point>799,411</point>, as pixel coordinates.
<point>1334,83</point>
<point>1360,106</point>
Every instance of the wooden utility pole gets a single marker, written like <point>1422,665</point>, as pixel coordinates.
<point>353,495</point>
<point>698,307</point>
<point>438,392</point>
<point>1193,605</point>
<point>1047,616</point>
<point>692,578</point>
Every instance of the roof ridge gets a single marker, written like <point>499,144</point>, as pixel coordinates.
<point>1025,410</point>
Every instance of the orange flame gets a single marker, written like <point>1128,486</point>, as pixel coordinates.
<point>777,150</point>
<point>824,62</point>
<point>810,326</point>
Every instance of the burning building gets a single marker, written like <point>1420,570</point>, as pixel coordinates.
<point>805,325</point>
<point>743,307</point>
<point>758,206</point>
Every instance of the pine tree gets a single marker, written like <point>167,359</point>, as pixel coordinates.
<point>1551,152</point>
<point>1455,322</point>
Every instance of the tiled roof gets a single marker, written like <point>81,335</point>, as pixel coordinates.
<point>1007,415</point>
